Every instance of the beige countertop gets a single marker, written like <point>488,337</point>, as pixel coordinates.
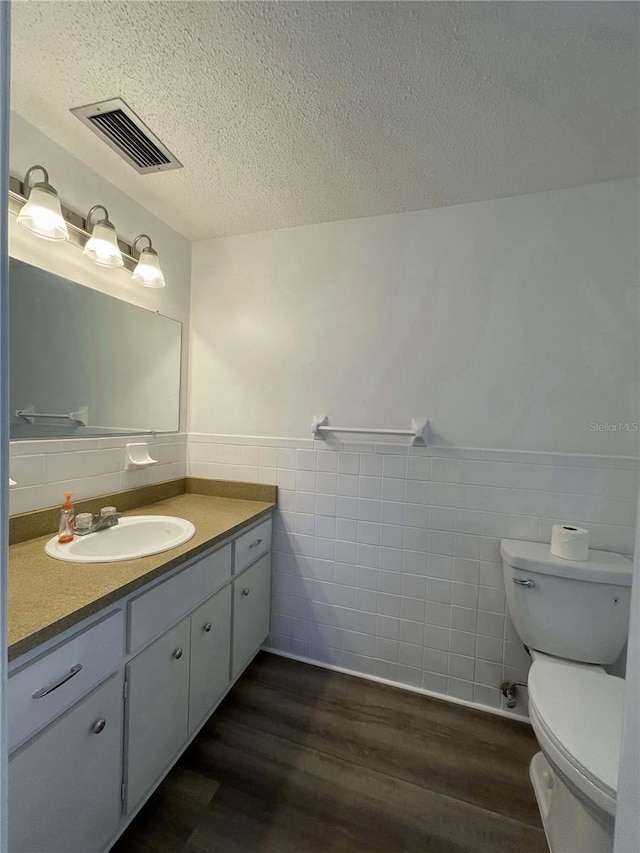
<point>47,596</point>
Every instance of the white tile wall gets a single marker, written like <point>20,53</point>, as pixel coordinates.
<point>386,558</point>
<point>44,470</point>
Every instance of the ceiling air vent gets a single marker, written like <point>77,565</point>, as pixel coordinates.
<point>123,131</point>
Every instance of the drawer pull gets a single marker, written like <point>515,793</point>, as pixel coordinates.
<point>178,654</point>
<point>256,543</point>
<point>44,691</point>
<point>207,627</point>
<point>99,726</point>
<point>246,591</point>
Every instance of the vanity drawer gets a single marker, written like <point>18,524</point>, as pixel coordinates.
<point>252,545</point>
<point>153,612</point>
<point>40,692</point>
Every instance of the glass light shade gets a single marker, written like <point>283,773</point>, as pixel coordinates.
<point>42,216</point>
<point>148,272</point>
<point>102,247</point>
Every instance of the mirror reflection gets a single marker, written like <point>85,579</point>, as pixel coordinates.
<point>84,363</point>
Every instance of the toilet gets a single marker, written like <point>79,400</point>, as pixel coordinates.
<point>573,617</point>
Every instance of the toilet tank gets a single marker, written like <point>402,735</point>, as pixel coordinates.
<point>578,610</point>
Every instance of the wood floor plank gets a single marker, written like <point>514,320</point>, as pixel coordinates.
<point>238,824</point>
<point>303,760</point>
<point>171,814</point>
<point>465,754</point>
<point>300,799</point>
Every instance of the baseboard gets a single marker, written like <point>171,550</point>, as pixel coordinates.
<point>475,706</point>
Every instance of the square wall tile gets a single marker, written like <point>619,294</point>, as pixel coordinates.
<point>386,559</point>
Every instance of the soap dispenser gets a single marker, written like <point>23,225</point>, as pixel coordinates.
<point>65,528</point>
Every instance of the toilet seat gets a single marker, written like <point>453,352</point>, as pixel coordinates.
<point>576,714</point>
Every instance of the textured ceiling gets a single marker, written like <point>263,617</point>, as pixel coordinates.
<point>294,113</point>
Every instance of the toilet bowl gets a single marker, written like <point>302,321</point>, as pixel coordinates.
<point>576,714</point>
<point>573,618</point>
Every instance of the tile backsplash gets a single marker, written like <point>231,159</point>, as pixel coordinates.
<point>44,470</point>
<point>386,558</point>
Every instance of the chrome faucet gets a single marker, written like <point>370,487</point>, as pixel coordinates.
<point>98,523</point>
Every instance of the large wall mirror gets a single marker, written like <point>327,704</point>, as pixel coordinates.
<point>84,363</point>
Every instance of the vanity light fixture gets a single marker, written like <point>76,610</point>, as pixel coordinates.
<point>38,210</point>
<point>102,247</point>
<point>42,215</point>
<point>148,272</point>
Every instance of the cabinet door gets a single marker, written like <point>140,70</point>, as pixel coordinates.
<point>64,786</point>
<point>251,610</point>
<point>210,654</point>
<point>157,709</point>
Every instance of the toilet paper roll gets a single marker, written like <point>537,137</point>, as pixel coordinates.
<point>569,542</point>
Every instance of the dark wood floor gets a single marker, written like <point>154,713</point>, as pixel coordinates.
<point>302,760</point>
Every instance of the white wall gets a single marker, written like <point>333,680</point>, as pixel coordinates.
<point>512,325</point>
<point>44,470</point>
<point>509,324</point>
<point>80,188</point>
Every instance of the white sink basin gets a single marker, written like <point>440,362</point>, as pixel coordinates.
<point>134,536</point>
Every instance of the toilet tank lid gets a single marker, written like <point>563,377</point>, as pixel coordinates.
<point>600,567</point>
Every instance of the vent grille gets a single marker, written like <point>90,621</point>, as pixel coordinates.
<point>123,131</point>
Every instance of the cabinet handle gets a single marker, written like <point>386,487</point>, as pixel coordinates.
<point>207,627</point>
<point>256,543</point>
<point>246,592</point>
<point>178,654</point>
<point>98,726</point>
<point>51,687</point>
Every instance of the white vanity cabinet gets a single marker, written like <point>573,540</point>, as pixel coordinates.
<point>172,687</point>
<point>175,683</point>
<point>97,720</point>
<point>64,782</point>
<point>151,613</point>
<point>64,786</point>
<point>210,651</point>
<point>251,608</point>
<point>251,545</point>
<point>157,708</point>
<point>39,692</point>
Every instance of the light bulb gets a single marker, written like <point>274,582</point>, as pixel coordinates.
<point>148,272</point>
<point>42,215</point>
<point>102,247</point>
